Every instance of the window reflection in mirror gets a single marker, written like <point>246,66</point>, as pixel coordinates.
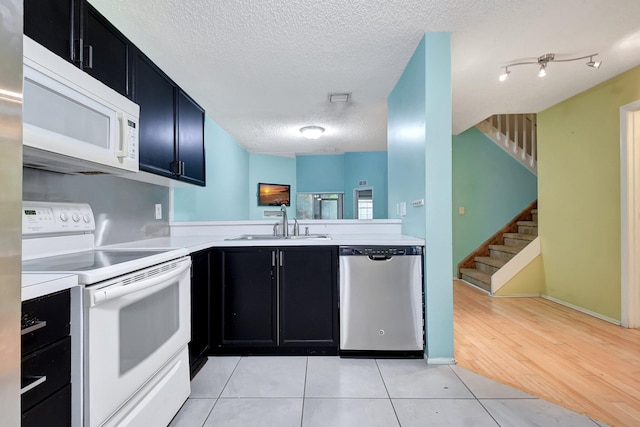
<point>363,200</point>
<point>319,205</point>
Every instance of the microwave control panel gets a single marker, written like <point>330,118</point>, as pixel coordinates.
<point>132,139</point>
<point>52,218</point>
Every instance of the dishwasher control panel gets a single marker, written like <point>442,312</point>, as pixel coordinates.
<point>380,250</point>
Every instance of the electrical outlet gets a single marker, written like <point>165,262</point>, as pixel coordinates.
<point>461,210</point>
<point>158,211</point>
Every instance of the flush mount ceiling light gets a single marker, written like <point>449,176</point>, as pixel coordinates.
<point>544,60</point>
<point>312,132</point>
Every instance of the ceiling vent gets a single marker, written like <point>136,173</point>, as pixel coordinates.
<point>339,97</point>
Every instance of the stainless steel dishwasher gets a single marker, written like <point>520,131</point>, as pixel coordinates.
<point>381,300</point>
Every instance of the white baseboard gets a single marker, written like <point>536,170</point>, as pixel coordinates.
<point>439,360</point>
<point>582,310</point>
<point>518,295</point>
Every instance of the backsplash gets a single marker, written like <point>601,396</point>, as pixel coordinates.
<point>123,208</point>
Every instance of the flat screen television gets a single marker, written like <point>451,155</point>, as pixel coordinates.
<point>274,194</point>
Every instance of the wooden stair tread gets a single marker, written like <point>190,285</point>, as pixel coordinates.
<point>508,249</point>
<point>520,236</point>
<point>528,223</point>
<point>534,211</point>
<point>476,274</point>
<point>494,262</point>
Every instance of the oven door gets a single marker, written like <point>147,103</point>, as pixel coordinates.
<point>134,325</point>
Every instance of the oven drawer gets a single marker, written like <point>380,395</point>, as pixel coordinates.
<point>52,412</point>
<point>44,320</point>
<point>45,371</point>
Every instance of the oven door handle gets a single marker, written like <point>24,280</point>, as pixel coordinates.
<point>107,294</point>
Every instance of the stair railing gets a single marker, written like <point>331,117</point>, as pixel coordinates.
<point>516,134</point>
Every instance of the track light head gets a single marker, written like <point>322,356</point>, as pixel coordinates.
<point>543,70</point>
<point>504,75</point>
<point>594,64</point>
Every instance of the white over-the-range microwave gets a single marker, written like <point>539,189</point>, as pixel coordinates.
<point>73,123</point>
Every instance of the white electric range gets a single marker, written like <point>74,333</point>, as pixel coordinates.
<point>135,313</point>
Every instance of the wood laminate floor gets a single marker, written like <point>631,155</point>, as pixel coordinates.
<point>552,352</point>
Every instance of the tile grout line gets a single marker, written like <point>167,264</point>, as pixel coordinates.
<point>304,390</point>
<point>221,390</point>
<point>474,395</point>
<point>389,395</point>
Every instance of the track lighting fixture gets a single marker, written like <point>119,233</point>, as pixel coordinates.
<point>544,60</point>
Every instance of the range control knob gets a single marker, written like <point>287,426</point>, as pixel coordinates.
<point>75,217</point>
<point>86,218</point>
<point>64,217</point>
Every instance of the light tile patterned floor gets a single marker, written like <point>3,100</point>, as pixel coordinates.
<point>330,391</point>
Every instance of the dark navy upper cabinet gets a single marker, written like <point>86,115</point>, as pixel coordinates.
<point>105,51</point>
<point>171,123</point>
<point>154,92</point>
<point>53,24</point>
<point>190,147</point>
<point>77,32</point>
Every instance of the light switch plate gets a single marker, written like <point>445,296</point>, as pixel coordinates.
<point>158,211</point>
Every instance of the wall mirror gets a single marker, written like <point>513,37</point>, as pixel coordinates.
<point>319,206</point>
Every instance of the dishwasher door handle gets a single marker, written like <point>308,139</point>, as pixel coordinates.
<point>380,257</point>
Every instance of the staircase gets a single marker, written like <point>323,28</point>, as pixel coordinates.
<point>516,134</point>
<point>479,266</point>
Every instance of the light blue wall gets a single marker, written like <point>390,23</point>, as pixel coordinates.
<point>271,170</point>
<point>225,196</point>
<point>491,185</point>
<point>419,167</point>
<point>320,173</point>
<point>342,173</point>
<point>406,144</point>
<point>370,166</point>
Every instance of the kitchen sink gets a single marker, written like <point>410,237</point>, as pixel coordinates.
<point>272,237</point>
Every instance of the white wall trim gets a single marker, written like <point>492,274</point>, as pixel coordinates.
<point>629,205</point>
<point>439,360</point>
<point>535,294</point>
<point>582,310</point>
<point>515,265</point>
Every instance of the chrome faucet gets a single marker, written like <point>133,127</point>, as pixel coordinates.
<point>285,221</point>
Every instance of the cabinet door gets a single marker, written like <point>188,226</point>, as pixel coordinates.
<point>53,24</point>
<point>105,53</point>
<point>200,318</point>
<point>154,92</point>
<point>248,297</point>
<point>309,297</point>
<point>190,150</point>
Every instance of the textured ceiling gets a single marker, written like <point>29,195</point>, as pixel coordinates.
<point>263,69</point>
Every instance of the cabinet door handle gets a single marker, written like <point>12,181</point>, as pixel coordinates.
<point>33,384</point>
<point>273,258</point>
<point>281,258</point>
<point>89,63</point>
<point>38,325</point>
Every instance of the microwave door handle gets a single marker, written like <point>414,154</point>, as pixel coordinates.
<point>107,294</point>
<point>123,141</point>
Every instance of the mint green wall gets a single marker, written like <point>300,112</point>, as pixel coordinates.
<point>491,185</point>
<point>419,166</point>
<point>370,166</point>
<point>320,173</point>
<point>272,170</point>
<point>225,196</point>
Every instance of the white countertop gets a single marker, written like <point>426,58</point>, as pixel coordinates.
<point>38,284</point>
<point>198,243</point>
